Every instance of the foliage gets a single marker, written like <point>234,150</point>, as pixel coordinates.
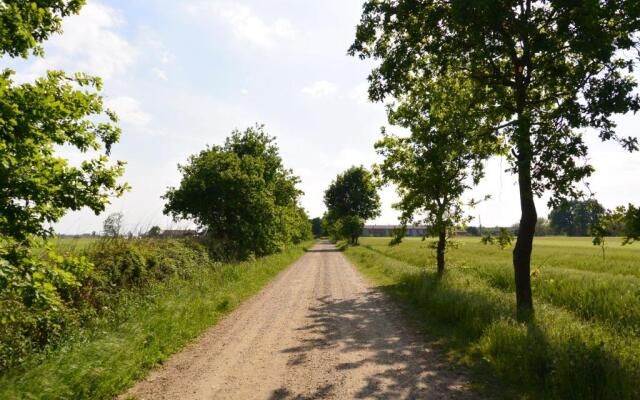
<point>35,119</point>
<point>582,343</point>
<point>350,227</point>
<point>551,67</point>
<point>137,328</point>
<point>351,199</point>
<point>434,166</point>
<point>112,225</point>
<point>242,195</point>
<point>154,231</point>
<point>34,295</point>
<point>52,296</point>
<point>39,187</point>
<point>631,224</point>
<point>503,239</point>
<point>574,217</point>
<point>25,24</point>
<point>624,219</point>
<point>316,227</point>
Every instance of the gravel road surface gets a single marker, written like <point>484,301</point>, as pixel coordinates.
<point>318,331</point>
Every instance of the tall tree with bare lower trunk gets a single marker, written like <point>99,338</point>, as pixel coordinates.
<point>554,67</point>
<point>434,166</point>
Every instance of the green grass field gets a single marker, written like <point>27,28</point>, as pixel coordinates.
<point>584,342</point>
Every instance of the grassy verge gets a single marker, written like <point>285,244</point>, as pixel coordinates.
<point>110,355</point>
<point>563,353</point>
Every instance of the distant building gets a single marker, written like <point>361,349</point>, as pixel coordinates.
<point>178,233</point>
<point>387,230</point>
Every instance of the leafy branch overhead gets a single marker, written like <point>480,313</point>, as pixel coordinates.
<point>36,120</point>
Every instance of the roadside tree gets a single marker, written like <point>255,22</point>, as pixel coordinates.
<point>436,164</point>
<point>351,199</point>
<point>553,67</point>
<point>241,195</point>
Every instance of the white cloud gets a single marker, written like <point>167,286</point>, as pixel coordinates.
<point>360,94</point>
<point>90,44</point>
<point>347,157</point>
<point>129,111</point>
<point>244,23</point>
<point>320,89</point>
<point>160,74</point>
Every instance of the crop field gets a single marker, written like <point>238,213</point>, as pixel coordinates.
<point>584,341</point>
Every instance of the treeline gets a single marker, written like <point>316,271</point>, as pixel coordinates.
<point>243,199</point>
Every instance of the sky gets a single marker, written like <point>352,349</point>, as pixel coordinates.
<point>183,74</point>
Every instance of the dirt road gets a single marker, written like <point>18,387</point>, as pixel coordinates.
<point>317,332</point>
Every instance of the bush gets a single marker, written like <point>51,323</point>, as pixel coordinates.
<point>43,295</point>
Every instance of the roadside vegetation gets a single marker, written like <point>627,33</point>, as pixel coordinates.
<point>144,300</point>
<point>542,73</point>
<point>582,343</point>
<point>85,321</point>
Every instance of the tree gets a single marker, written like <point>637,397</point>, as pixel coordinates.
<point>575,217</point>
<point>553,67</point>
<point>155,231</point>
<point>631,222</point>
<point>112,225</point>
<point>316,227</point>
<point>624,220</point>
<point>38,187</point>
<point>242,195</point>
<point>434,166</point>
<point>353,194</point>
<point>25,24</point>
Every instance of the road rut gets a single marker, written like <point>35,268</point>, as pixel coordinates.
<point>318,331</point>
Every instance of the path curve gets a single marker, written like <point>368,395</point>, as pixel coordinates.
<point>318,331</point>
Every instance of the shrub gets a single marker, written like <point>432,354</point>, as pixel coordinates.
<point>43,295</point>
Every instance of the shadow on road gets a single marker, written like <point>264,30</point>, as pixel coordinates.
<point>375,344</point>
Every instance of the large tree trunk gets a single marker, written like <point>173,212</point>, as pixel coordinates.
<point>440,249</point>
<point>528,219</point>
<point>524,245</point>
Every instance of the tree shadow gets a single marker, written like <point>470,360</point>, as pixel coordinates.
<point>374,341</point>
<point>329,250</point>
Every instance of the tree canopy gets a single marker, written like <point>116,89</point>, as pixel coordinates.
<point>242,195</point>
<point>434,166</point>
<point>552,67</point>
<point>351,199</point>
<point>36,119</point>
<point>38,186</point>
<point>575,217</point>
<point>25,24</point>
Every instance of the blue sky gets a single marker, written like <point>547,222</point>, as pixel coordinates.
<point>183,74</point>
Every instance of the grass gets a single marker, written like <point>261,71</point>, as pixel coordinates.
<point>103,360</point>
<point>584,341</point>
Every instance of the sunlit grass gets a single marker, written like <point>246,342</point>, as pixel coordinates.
<point>584,341</point>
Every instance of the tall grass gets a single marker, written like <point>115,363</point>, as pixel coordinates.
<point>142,329</point>
<point>583,342</point>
